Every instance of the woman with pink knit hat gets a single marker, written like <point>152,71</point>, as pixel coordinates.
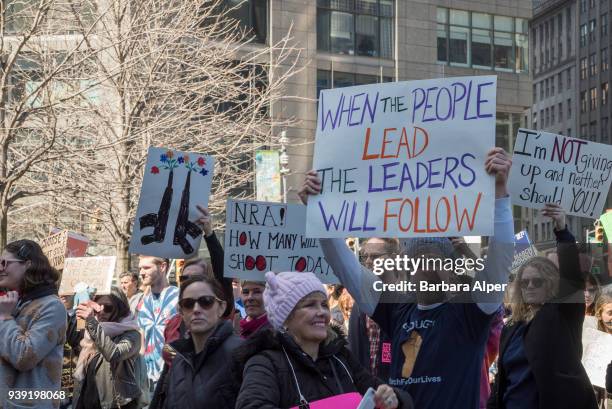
<point>302,361</point>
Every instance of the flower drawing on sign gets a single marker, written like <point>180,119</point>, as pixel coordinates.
<point>155,170</point>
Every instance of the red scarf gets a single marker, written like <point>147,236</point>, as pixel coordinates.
<point>247,328</point>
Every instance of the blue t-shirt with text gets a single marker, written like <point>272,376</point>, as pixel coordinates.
<point>437,352</point>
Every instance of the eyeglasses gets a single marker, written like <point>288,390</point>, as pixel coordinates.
<point>205,301</point>
<point>4,262</point>
<point>107,308</point>
<point>536,282</point>
<point>372,256</point>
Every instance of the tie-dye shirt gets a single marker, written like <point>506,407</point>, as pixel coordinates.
<point>153,315</point>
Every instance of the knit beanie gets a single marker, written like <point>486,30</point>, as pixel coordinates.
<point>415,247</point>
<point>283,292</point>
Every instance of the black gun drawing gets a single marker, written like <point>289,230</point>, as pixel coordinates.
<point>158,220</point>
<point>183,225</point>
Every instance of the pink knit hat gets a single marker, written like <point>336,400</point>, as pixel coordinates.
<point>283,292</point>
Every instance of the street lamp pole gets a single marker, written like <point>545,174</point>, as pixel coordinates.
<point>284,162</point>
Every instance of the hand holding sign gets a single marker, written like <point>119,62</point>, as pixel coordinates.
<point>87,309</point>
<point>498,163</point>
<point>556,213</point>
<point>205,220</point>
<point>311,186</point>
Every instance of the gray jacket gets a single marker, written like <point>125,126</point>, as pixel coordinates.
<point>119,369</point>
<point>32,348</point>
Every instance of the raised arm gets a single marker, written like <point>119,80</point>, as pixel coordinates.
<point>501,247</point>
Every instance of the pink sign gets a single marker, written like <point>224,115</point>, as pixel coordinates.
<point>344,401</point>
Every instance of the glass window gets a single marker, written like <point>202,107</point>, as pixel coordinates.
<point>604,25</point>
<point>584,31</point>
<point>604,60</point>
<point>343,79</point>
<point>481,20</point>
<point>593,104</point>
<point>569,109</point>
<point>604,93</point>
<point>522,53</point>
<point>323,81</point>
<point>583,102</point>
<point>458,45</point>
<point>521,25</point>
<point>442,15</point>
<point>560,111</point>
<point>481,48</point>
<point>358,27</point>
<point>583,68</point>
<point>252,15</point>
<point>341,33</point>
<point>442,43</point>
<point>593,129</point>
<point>592,28</point>
<point>459,17</point>
<point>503,50</point>
<point>604,129</point>
<point>569,78</point>
<point>366,33</point>
<point>593,64</point>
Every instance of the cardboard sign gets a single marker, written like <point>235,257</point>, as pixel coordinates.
<point>550,168</point>
<point>264,236</point>
<point>54,248</point>
<point>173,184</point>
<point>523,250</point>
<point>596,355</point>
<point>76,245</point>
<point>405,159</point>
<point>93,272</point>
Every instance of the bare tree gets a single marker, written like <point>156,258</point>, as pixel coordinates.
<point>179,74</point>
<point>42,86</point>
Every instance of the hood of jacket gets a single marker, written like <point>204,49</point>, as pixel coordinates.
<point>270,339</point>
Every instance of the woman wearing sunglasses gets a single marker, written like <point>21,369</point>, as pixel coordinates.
<point>539,365</point>
<point>32,325</point>
<point>199,376</point>
<point>109,370</point>
<point>303,359</point>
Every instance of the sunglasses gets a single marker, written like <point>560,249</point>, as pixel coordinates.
<point>536,282</point>
<point>4,262</point>
<point>364,256</point>
<point>205,301</point>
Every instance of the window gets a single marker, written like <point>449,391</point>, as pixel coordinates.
<point>252,15</point>
<point>552,115</point>
<point>541,90</point>
<point>547,87</point>
<point>584,31</point>
<point>604,129</point>
<point>583,101</point>
<point>569,131</point>
<point>604,25</point>
<point>583,68</point>
<point>583,131</point>
<point>480,40</point>
<point>604,60</point>
<point>560,81</point>
<point>547,122</point>
<point>363,27</point>
<point>535,120</point>
<point>541,118</point>
<point>604,93</point>
<point>593,64</point>
<point>593,131</point>
<point>560,106</point>
<point>552,86</point>
<point>592,28</point>
<point>593,94</point>
<point>569,78</point>
<point>592,4</point>
<point>583,6</point>
<point>569,108</point>
<point>535,93</point>
<point>345,79</point>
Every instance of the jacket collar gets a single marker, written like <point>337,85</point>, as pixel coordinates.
<point>185,348</point>
<point>38,292</point>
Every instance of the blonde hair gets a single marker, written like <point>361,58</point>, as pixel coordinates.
<point>604,298</point>
<point>521,311</point>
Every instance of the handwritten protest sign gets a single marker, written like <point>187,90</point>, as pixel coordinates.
<point>523,250</point>
<point>596,355</point>
<point>54,248</point>
<point>405,159</point>
<point>264,236</point>
<point>164,224</point>
<point>76,245</point>
<point>95,272</point>
<point>550,168</point>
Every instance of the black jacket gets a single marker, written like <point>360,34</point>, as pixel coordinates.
<point>359,344</point>
<point>268,382</point>
<point>202,380</point>
<point>553,341</point>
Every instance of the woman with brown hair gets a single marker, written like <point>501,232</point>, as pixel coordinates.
<point>32,325</point>
<point>540,352</point>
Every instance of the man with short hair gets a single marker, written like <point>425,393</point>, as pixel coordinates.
<point>129,285</point>
<point>252,298</point>
<point>154,310</point>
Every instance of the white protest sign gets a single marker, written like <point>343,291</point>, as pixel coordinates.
<point>550,168</point>
<point>405,159</point>
<point>96,272</point>
<point>173,184</point>
<point>596,355</point>
<point>266,236</point>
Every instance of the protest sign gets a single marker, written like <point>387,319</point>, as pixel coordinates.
<point>550,168</point>
<point>93,272</point>
<point>596,355</point>
<point>267,177</point>
<point>264,236</point>
<point>54,248</point>
<point>523,250</point>
<point>164,224</point>
<point>405,159</point>
<point>76,245</point>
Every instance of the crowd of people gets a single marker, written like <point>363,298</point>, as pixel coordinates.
<point>289,342</point>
